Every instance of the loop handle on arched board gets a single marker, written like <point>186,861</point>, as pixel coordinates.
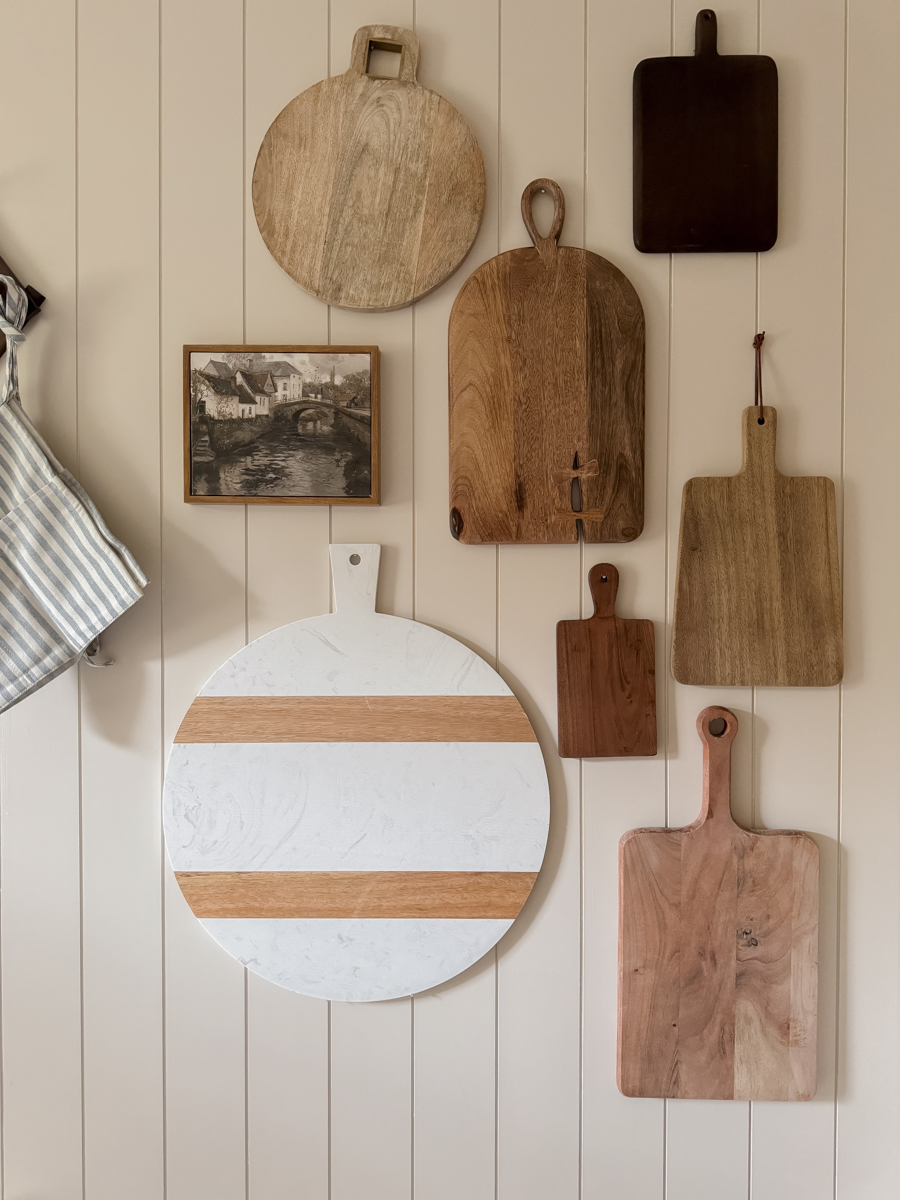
<point>545,246</point>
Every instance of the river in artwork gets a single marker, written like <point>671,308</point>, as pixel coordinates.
<point>324,456</point>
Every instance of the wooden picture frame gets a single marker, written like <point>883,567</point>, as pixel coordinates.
<point>307,432</point>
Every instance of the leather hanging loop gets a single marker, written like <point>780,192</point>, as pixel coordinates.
<point>757,382</point>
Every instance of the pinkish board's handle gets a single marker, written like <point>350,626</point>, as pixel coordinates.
<point>717,728</point>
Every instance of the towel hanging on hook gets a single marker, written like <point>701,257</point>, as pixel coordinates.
<point>64,578</point>
<point>35,299</point>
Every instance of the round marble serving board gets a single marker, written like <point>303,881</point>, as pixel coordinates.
<point>356,806</point>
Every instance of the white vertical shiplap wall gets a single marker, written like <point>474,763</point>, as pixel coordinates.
<point>137,1059</point>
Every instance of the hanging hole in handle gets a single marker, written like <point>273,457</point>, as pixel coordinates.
<point>544,191</point>
<point>355,560</point>
<point>604,579</point>
<point>543,206</point>
<point>717,726</point>
<point>760,420</point>
<point>383,60</point>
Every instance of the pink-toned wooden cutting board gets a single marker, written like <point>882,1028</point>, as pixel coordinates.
<point>718,943</point>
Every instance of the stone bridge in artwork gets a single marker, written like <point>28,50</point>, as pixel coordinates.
<point>357,420</point>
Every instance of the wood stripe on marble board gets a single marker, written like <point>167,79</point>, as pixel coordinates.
<point>355,719</point>
<point>405,895</point>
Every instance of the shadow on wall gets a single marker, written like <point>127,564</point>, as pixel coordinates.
<point>116,700</point>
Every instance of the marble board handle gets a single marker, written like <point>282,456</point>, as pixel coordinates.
<point>354,573</point>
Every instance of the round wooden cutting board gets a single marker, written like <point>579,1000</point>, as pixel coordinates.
<point>369,191</point>
<point>356,806</point>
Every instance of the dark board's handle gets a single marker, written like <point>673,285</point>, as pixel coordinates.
<point>706,33</point>
<point>603,581</point>
<point>545,246</point>
<point>717,728</point>
<point>385,37</point>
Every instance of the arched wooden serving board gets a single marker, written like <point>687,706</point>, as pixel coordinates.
<point>546,388</point>
<point>369,191</point>
<point>718,950</point>
<point>356,806</point>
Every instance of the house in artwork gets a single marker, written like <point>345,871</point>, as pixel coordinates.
<point>216,369</point>
<point>255,390</point>
<point>286,378</point>
<point>213,396</point>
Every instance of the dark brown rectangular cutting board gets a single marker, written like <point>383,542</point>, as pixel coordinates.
<point>606,678</point>
<point>758,586</point>
<point>705,149</point>
<point>546,386</point>
<point>718,945</point>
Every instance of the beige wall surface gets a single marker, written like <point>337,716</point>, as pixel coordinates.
<point>138,1059</point>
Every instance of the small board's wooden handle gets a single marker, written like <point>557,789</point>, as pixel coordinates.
<point>706,32</point>
<point>545,246</point>
<point>385,37</point>
<point>603,581</point>
<point>717,728</point>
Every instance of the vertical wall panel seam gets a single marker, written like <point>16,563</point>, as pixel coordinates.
<point>840,739</point>
<point>246,993</point>
<point>328,1073</point>
<point>667,596</point>
<point>497,607</point>
<point>4,759</point>
<point>579,526</point>
<point>162,625</point>
<point>754,774</point>
<point>415,592</point>
<point>78,730</point>
<point>331,535</point>
<point>246,1084</point>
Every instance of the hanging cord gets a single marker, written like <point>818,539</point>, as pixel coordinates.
<point>757,382</point>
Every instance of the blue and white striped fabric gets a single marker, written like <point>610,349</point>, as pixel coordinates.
<point>63,577</point>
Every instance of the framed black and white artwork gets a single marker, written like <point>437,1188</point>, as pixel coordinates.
<point>281,424</point>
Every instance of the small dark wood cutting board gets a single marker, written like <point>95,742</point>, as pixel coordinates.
<point>546,392</point>
<point>758,585</point>
<point>718,945</point>
<point>606,678</point>
<point>705,149</point>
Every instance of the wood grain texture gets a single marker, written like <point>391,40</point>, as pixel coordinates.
<point>405,895</point>
<point>718,945</point>
<point>758,587</point>
<point>368,191</point>
<point>355,719</point>
<point>606,679</point>
<point>546,387</point>
<point>705,149</point>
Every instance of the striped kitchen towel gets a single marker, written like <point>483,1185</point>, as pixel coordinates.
<point>64,578</point>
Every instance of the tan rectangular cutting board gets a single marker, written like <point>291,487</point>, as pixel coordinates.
<point>718,944</point>
<point>758,589</point>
